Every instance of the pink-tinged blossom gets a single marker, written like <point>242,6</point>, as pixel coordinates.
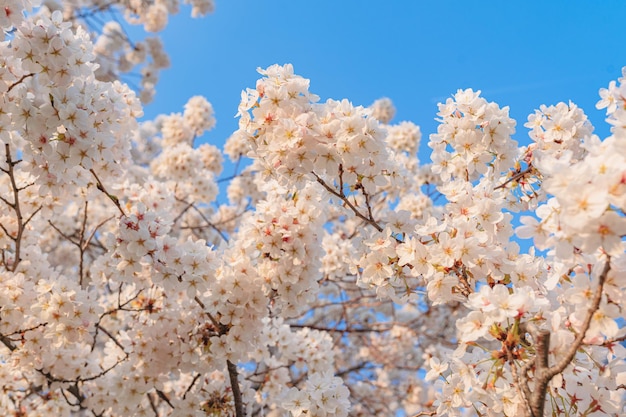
<point>474,326</point>
<point>376,268</point>
<point>436,369</point>
<point>332,276</point>
<point>439,288</point>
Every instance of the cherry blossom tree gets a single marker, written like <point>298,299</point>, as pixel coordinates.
<point>338,276</point>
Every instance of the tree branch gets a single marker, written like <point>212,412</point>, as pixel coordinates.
<point>544,373</point>
<point>360,215</point>
<point>111,197</point>
<point>516,177</point>
<point>201,214</point>
<point>234,383</point>
<point>16,208</point>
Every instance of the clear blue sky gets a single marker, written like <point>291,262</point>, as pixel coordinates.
<point>520,54</point>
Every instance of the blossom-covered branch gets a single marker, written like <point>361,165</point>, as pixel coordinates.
<point>338,276</point>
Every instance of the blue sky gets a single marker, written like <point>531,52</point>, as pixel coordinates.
<point>520,54</point>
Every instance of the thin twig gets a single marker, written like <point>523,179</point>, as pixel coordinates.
<point>16,208</point>
<point>111,197</point>
<point>208,222</point>
<point>81,266</point>
<point>153,405</point>
<point>93,232</point>
<point>162,396</point>
<point>348,203</point>
<point>193,382</point>
<point>515,177</point>
<point>235,173</point>
<point>19,81</point>
<point>113,338</point>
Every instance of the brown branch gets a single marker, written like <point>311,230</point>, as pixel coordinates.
<point>59,231</point>
<point>367,204</point>
<point>516,177</point>
<point>338,330</point>
<point>103,372</point>
<point>16,208</point>
<point>18,82</point>
<point>537,397</point>
<point>185,210</point>
<point>614,340</point>
<point>193,382</point>
<point>32,215</point>
<point>153,405</point>
<point>544,373</point>
<point>74,390</point>
<point>597,298</point>
<point>113,338</point>
<point>6,232</point>
<point>162,396</point>
<point>232,368</point>
<point>6,341</point>
<point>234,383</point>
<point>82,243</point>
<point>81,266</point>
<point>235,172</point>
<point>93,232</point>
<point>354,368</point>
<point>201,214</point>
<point>199,302</point>
<point>111,197</point>
<point>360,215</point>
<point>93,11</point>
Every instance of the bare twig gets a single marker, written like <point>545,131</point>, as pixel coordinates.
<point>15,205</point>
<point>519,385</point>
<point>153,405</point>
<point>354,368</point>
<point>345,199</point>
<point>235,173</point>
<point>82,243</point>
<point>201,214</point>
<point>234,383</point>
<point>111,197</point>
<point>162,396</point>
<point>19,82</point>
<point>93,232</point>
<point>32,215</point>
<point>516,177</point>
<point>614,340</point>
<point>81,247</point>
<point>341,330</point>
<point>113,338</point>
<point>193,382</point>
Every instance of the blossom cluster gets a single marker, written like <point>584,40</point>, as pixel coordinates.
<point>64,121</point>
<point>298,139</point>
<point>330,281</point>
<point>117,55</point>
<point>474,137</point>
